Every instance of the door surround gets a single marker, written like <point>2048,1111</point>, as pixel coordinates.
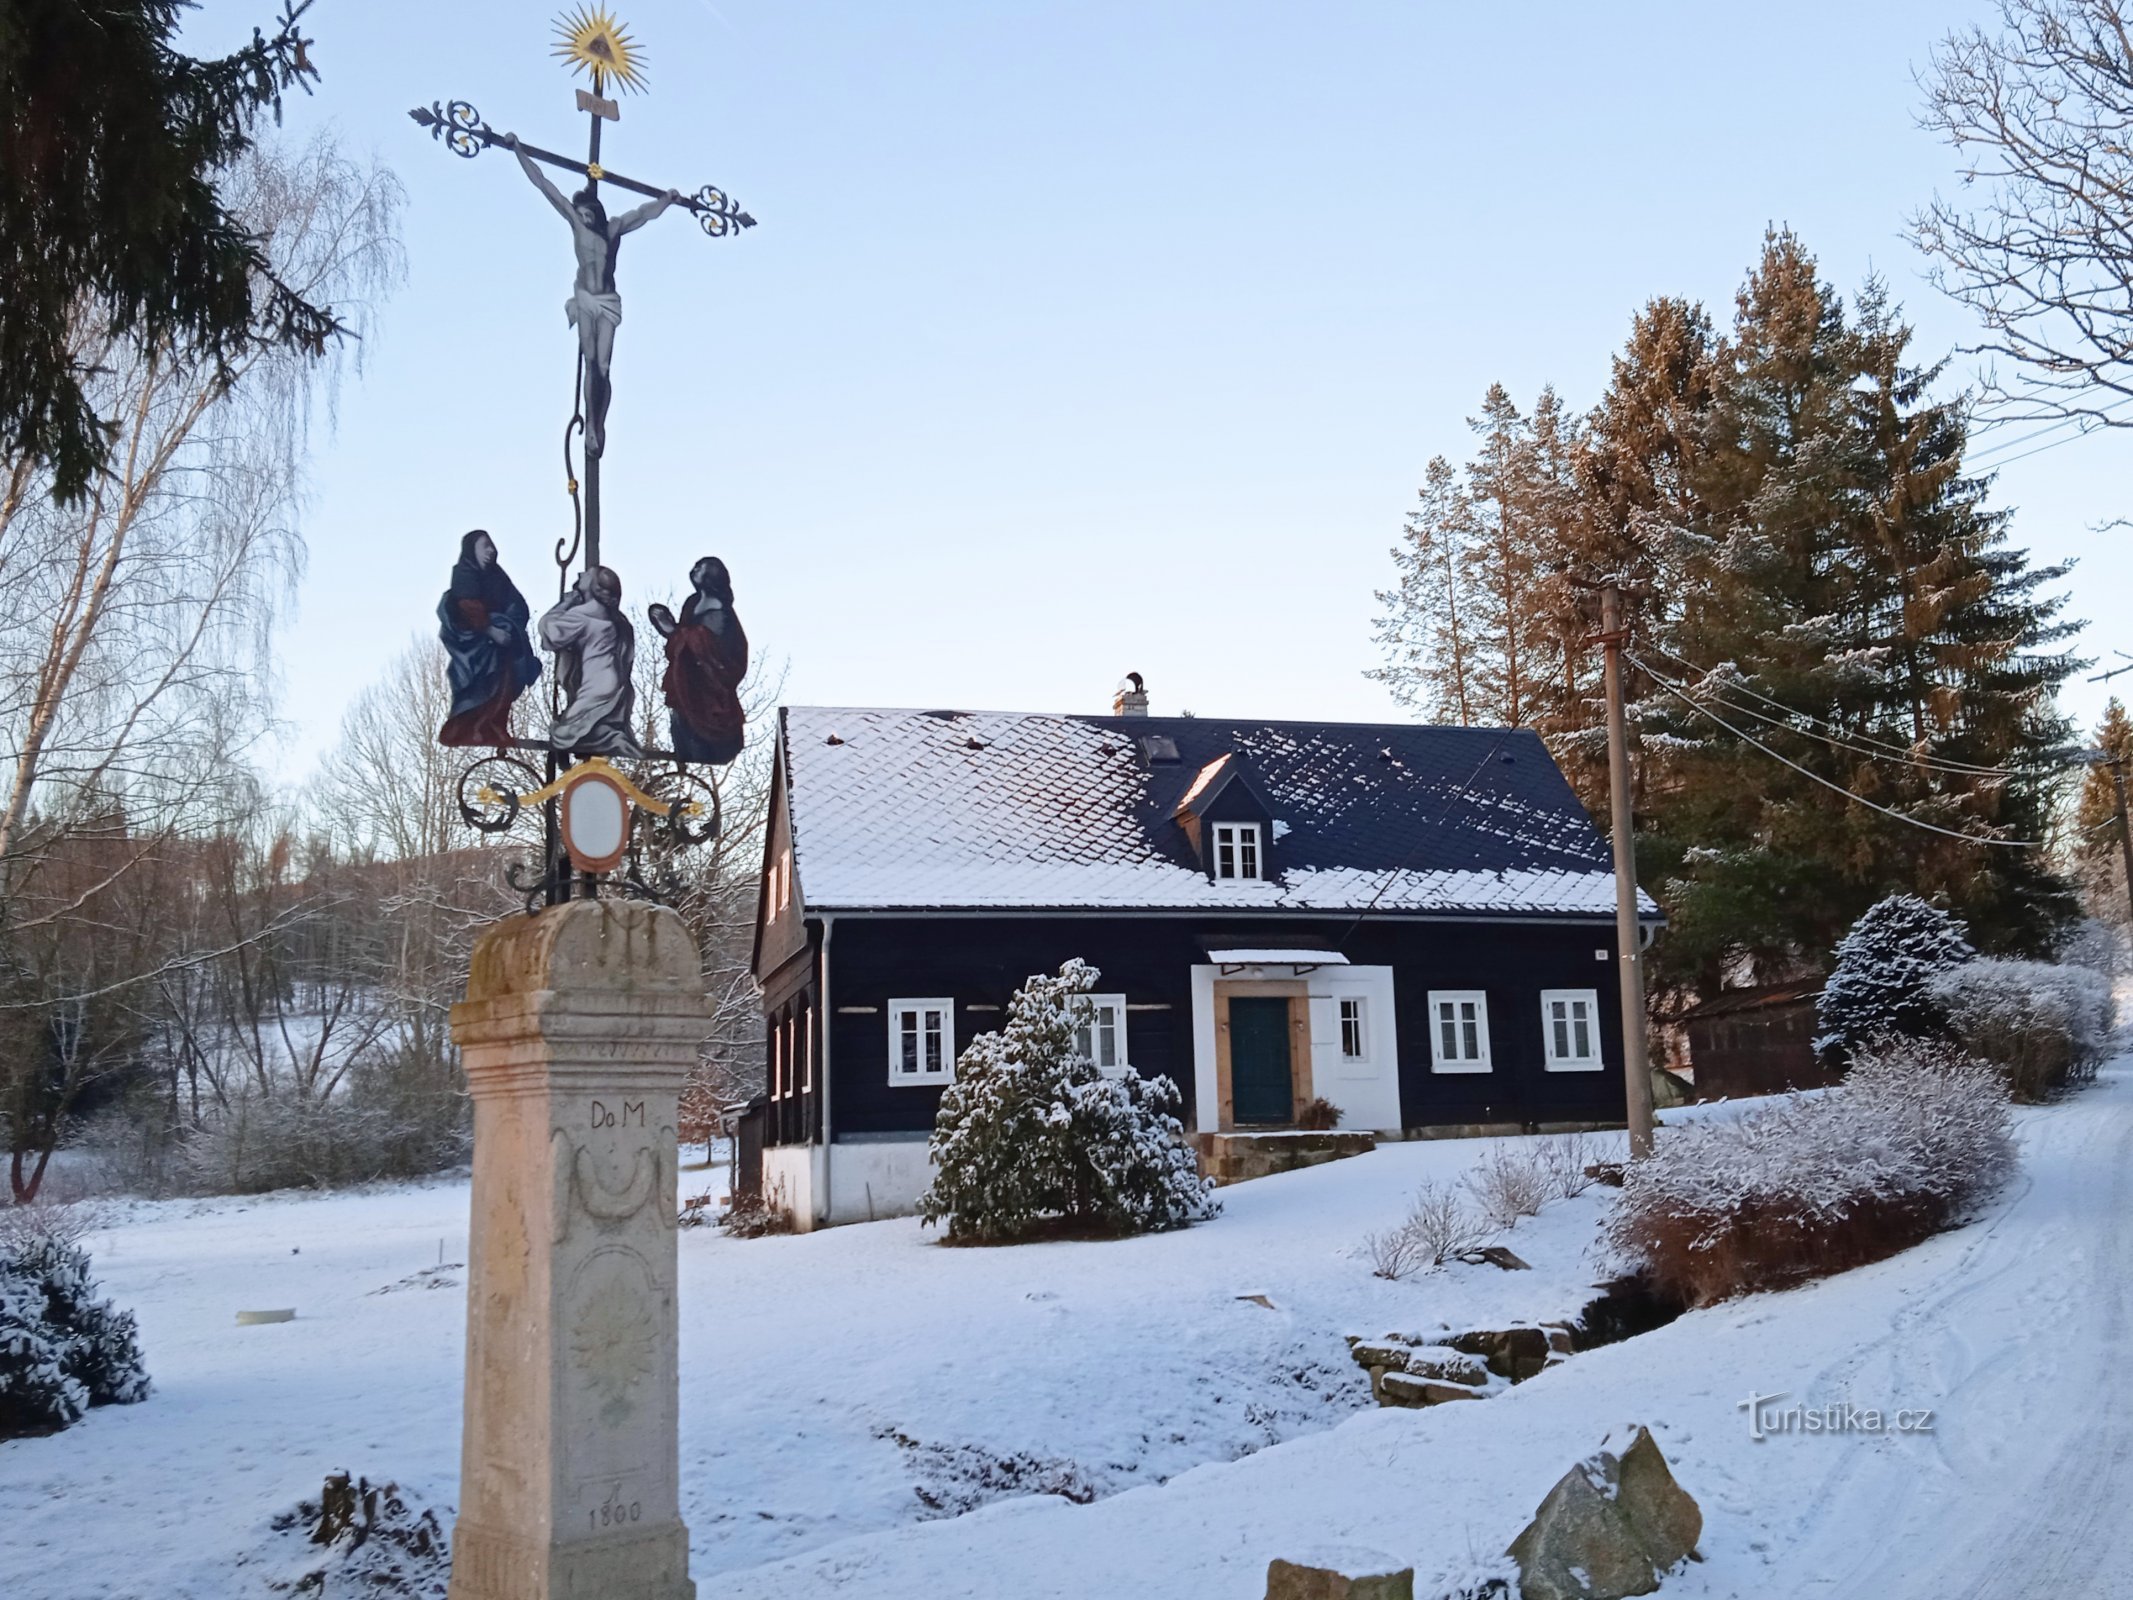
<point>1298,996</point>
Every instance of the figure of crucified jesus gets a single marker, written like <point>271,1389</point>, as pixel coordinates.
<point>594,307</point>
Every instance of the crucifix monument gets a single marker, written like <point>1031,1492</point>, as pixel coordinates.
<point>582,1019</point>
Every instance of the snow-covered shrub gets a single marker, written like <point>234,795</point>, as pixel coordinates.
<point>62,1350</point>
<point>2099,946</point>
<point>1810,1185</point>
<point>2039,1023</point>
<point>1032,1135</point>
<point>1878,985</point>
<point>1394,1253</point>
<point>1441,1223</point>
<point>36,1395</point>
<point>1563,1160</point>
<point>261,1142</point>
<point>1510,1182</point>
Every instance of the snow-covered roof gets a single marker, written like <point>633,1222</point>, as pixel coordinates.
<point>989,810</point>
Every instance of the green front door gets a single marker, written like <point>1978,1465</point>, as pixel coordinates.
<point>1259,1061</point>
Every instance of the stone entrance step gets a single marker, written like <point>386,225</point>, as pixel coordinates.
<point>1236,1157</point>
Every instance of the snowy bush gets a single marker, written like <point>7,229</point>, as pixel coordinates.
<point>1878,985</point>
<point>1917,1134</point>
<point>261,1142</point>
<point>2039,1023</point>
<point>62,1350</point>
<point>1032,1136</point>
<point>1563,1161</point>
<point>1441,1223</point>
<point>36,1395</point>
<point>2098,946</point>
<point>1511,1182</point>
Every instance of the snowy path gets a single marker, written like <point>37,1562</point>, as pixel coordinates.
<point>831,1381</point>
<point>2025,1341</point>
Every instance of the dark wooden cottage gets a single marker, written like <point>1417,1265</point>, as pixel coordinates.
<point>1412,923</point>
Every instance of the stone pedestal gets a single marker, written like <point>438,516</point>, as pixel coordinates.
<point>577,1029</point>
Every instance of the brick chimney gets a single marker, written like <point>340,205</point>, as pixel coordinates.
<point>1130,699</point>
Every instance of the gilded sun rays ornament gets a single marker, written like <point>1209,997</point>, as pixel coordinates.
<point>594,43</point>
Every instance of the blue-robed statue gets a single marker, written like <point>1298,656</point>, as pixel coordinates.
<point>482,621</point>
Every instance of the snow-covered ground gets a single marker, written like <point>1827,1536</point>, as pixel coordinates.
<point>845,1393</point>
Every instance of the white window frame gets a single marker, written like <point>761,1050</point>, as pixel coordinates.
<point>898,1010</point>
<point>1341,1016</point>
<point>1115,1005</point>
<point>1438,1061</point>
<point>1237,840</point>
<point>1590,998</point>
<point>784,878</point>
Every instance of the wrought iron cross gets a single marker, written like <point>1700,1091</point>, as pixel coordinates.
<point>593,43</point>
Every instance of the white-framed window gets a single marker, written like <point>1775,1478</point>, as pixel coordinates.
<point>1101,1035</point>
<point>1570,1029</point>
<point>921,1041</point>
<point>1458,1030</point>
<point>1355,1028</point>
<point>807,1050</point>
<point>778,1083</point>
<point>784,871</point>
<point>1237,853</point>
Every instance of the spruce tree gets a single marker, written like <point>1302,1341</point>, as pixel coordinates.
<point>1851,606</point>
<point>1423,628</point>
<point>112,143</point>
<point>1878,983</point>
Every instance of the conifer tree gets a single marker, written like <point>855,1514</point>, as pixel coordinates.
<point>1423,627</point>
<point>2098,854</point>
<point>114,147</point>
<point>1826,617</point>
<point>1850,605</point>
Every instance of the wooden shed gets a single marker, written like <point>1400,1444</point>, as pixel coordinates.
<point>1756,1041</point>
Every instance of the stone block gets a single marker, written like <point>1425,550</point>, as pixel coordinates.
<point>1344,1574</point>
<point>1407,1389</point>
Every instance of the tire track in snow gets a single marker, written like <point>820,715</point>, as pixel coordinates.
<point>2027,1509</point>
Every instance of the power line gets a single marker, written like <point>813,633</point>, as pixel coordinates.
<point>2083,426</point>
<point>1876,749</point>
<point>1697,706</point>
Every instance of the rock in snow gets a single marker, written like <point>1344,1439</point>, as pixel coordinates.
<point>1340,1574</point>
<point>1610,1528</point>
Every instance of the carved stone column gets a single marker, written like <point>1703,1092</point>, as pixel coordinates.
<point>577,1029</point>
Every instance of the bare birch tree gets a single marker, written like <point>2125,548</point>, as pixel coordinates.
<point>133,658</point>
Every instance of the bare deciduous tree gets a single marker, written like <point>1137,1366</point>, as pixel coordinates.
<point>2038,242</point>
<point>134,653</point>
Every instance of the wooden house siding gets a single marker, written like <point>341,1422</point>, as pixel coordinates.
<point>978,962</point>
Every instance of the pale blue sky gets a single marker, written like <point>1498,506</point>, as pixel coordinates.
<point>1080,338</point>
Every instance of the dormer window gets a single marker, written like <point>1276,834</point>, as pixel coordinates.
<point>1237,851</point>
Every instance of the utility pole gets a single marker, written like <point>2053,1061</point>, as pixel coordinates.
<point>2125,828</point>
<point>1629,939</point>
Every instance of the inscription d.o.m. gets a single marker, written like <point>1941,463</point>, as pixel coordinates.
<point>631,1114</point>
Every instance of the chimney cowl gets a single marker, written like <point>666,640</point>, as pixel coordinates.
<point>1130,699</point>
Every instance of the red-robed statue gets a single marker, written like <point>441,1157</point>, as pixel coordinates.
<point>707,657</point>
